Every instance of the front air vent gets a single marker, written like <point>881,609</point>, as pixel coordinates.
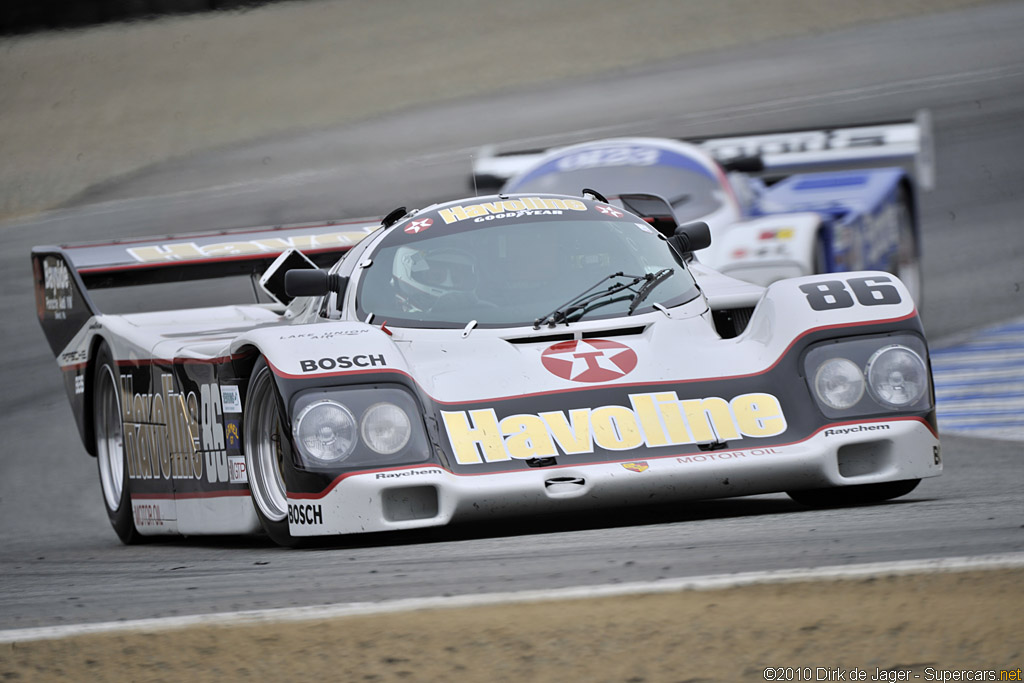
<point>569,336</point>
<point>730,322</point>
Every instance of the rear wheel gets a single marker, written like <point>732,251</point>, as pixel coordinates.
<point>265,452</point>
<point>108,429</point>
<point>860,494</point>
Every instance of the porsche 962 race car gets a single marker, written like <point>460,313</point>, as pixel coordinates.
<point>488,357</point>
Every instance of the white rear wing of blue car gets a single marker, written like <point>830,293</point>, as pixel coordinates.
<point>774,154</point>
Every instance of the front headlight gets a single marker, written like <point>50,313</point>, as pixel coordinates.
<point>326,431</point>
<point>851,378</point>
<point>352,427</point>
<point>839,383</point>
<point>897,376</point>
<point>386,428</point>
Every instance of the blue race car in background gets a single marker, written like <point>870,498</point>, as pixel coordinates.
<point>779,205</point>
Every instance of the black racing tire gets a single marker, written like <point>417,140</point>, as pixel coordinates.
<point>860,494</point>
<point>266,443</point>
<point>108,430</point>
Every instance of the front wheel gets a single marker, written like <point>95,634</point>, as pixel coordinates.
<point>859,494</point>
<point>266,445</point>
<point>108,429</point>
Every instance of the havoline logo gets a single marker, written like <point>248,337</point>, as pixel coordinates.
<point>652,420</point>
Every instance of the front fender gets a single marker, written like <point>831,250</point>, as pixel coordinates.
<point>324,350</point>
<point>792,308</point>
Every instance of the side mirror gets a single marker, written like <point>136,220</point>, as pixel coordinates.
<point>691,237</point>
<point>313,283</point>
<point>655,210</point>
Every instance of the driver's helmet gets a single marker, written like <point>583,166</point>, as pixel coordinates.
<point>425,275</point>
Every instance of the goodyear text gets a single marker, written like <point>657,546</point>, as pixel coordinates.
<point>462,213</point>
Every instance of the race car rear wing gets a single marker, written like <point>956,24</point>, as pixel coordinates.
<point>775,154</point>
<point>64,274</point>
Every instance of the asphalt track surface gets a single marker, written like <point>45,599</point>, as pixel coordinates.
<point>60,563</point>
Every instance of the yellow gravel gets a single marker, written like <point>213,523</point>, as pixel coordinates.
<point>919,625</point>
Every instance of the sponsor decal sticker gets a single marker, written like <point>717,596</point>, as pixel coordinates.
<point>171,434</point>
<point>237,473</point>
<point>840,431</point>
<point>510,208</point>
<point>725,455</point>
<point>343,363</point>
<point>233,435</point>
<point>651,420</point>
<point>73,357</point>
<point>231,398</point>
<point>305,514</point>
<point>418,226</point>
<point>187,251</point>
<point>640,466</point>
<point>57,288</point>
<point>79,384</point>
<point>324,335</point>
<point>149,514</point>
<point>610,211</point>
<point>406,473</point>
<point>610,156</point>
<point>589,360</point>
<point>781,234</point>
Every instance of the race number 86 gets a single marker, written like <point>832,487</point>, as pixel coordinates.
<point>869,291</point>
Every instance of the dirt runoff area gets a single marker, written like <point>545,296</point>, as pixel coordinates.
<point>81,107</point>
<point>940,626</point>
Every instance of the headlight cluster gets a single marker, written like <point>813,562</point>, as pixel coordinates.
<point>348,427</point>
<point>862,376</point>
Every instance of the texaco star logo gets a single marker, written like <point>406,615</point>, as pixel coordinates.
<point>609,211</point>
<point>419,226</point>
<point>589,360</point>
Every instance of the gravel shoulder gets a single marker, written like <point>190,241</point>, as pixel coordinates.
<point>922,627</point>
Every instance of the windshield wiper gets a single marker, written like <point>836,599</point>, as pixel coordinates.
<point>589,299</point>
<point>653,280</point>
<point>580,303</point>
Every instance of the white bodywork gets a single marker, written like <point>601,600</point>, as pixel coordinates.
<point>446,363</point>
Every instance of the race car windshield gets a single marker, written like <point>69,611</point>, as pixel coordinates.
<point>508,271</point>
<point>692,193</point>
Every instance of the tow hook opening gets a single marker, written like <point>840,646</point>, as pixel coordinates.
<point>561,481</point>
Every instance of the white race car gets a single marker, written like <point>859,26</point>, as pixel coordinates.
<point>505,355</point>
